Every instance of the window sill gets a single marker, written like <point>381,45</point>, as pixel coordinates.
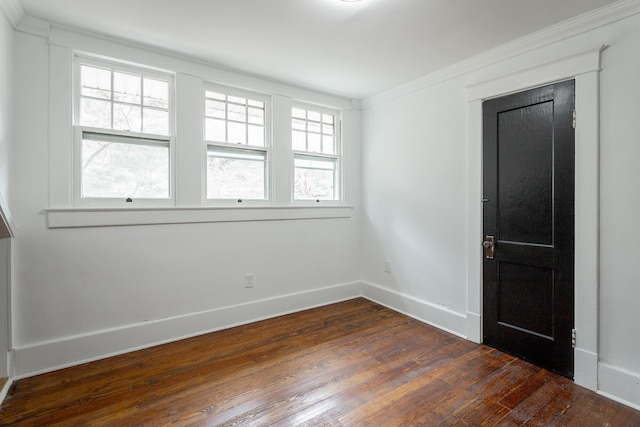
<point>110,217</point>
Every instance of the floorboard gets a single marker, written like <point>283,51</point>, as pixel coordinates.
<point>354,363</point>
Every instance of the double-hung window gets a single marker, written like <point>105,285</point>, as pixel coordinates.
<point>236,134</point>
<point>316,153</point>
<point>123,125</point>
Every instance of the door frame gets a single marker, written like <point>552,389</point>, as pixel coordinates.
<point>584,68</point>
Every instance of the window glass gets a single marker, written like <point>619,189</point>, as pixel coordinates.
<point>235,173</point>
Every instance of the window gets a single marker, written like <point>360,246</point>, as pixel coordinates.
<point>123,122</point>
<point>236,137</point>
<point>316,151</point>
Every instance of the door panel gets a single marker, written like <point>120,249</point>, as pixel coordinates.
<point>528,185</point>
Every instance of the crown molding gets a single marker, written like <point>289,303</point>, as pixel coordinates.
<point>13,11</point>
<point>564,30</point>
<point>35,26</point>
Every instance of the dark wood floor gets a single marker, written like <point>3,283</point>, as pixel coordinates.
<point>349,364</point>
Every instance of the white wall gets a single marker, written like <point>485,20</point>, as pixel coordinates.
<point>6,101</point>
<point>416,180</point>
<point>89,292</point>
<point>6,136</point>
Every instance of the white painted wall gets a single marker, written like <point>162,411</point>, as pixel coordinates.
<point>6,136</point>
<point>89,292</point>
<point>6,101</point>
<point>416,167</point>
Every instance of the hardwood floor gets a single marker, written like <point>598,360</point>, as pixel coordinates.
<point>348,364</point>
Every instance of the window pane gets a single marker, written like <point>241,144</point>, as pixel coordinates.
<point>299,140</point>
<point>237,133</point>
<point>258,104</point>
<point>214,95</point>
<point>237,100</point>
<point>299,124</point>
<point>126,88</point>
<point>256,136</point>
<point>237,112</point>
<point>215,130</point>
<point>314,127</point>
<point>155,121</point>
<point>156,93</point>
<point>327,118</point>
<point>95,113</point>
<point>235,174</point>
<point>215,108</point>
<point>327,129</point>
<point>127,117</point>
<point>328,145</point>
<point>314,143</point>
<point>299,113</point>
<point>315,178</point>
<point>115,169</point>
<point>256,116</point>
<point>95,82</point>
<point>313,115</point>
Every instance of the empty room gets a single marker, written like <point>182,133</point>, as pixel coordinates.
<point>319,212</point>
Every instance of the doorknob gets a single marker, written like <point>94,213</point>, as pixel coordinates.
<point>489,245</point>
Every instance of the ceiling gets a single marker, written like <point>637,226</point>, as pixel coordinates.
<point>351,49</point>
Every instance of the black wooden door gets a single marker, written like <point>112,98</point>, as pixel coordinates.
<point>528,187</point>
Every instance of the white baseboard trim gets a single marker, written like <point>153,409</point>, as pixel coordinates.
<point>434,315</point>
<point>619,385</point>
<point>474,327</point>
<point>58,354</point>
<point>585,368</point>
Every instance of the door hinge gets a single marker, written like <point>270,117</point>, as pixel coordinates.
<point>573,123</point>
<point>573,338</point>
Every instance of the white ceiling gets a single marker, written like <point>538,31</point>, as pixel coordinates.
<point>352,49</point>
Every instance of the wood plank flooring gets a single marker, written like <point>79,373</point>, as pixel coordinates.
<point>353,363</point>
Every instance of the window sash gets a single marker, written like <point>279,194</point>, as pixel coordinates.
<point>316,178</point>
<point>144,104</point>
<point>233,116</point>
<point>243,165</point>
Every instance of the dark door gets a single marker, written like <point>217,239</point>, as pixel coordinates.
<point>528,185</point>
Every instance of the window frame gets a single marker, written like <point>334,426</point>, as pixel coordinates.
<point>79,130</point>
<point>266,149</point>
<point>337,156</point>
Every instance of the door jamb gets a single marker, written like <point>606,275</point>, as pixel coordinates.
<point>584,67</point>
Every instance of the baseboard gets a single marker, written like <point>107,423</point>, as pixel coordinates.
<point>53,355</point>
<point>434,315</point>
<point>619,385</point>
<point>585,369</point>
<point>474,327</point>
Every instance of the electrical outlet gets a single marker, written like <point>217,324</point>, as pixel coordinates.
<point>387,266</point>
<point>249,280</point>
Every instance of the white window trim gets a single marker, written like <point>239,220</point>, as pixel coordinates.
<point>338,156</point>
<point>108,217</point>
<point>78,130</point>
<point>267,148</point>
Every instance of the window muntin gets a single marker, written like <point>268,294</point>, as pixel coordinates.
<point>236,134</point>
<point>123,138</point>
<point>235,119</point>
<point>315,144</point>
<point>123,100</point>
